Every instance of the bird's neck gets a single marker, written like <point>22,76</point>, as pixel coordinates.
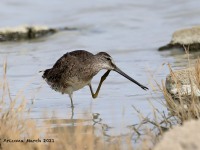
<point>97,65</point>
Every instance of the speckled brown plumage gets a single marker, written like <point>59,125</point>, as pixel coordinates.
<point>65,65</point>
<point>75,69</point>
<point>68,67</point>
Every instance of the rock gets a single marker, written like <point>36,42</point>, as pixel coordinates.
<point>185,37</point>
<point>27,32</point>
<point>184,137</point>
<point>182,82</point>
<point>182,94</point>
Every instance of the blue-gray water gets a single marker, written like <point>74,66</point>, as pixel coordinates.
<point>130,31</point>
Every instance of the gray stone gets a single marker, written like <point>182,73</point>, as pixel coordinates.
<point>184,137</point>
<point>185,37</point>
<point>182,91</point>
<point>182,82</point>
<point>27,32</point>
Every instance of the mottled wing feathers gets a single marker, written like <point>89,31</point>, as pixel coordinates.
<point>65,64</point>
<point>104,53</point>
<point>81,54</point>
<point>46,72</point>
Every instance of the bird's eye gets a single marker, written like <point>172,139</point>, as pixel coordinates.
<point>108,58</point>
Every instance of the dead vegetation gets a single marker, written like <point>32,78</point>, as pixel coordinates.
<point>184,106</point>
<point>19,132</point>
<point>16,125</point>
<point>181,107</point>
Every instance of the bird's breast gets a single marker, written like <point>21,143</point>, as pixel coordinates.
<point>77,83</point>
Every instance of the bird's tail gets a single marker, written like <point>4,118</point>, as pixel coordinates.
<point>41,71</point>
<point>45,72</point>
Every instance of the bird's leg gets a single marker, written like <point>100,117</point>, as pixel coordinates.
<point>72,114</point>
<point>72,105</point>
<point>94,95</point>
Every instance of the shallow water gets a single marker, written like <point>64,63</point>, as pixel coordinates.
<point>130,31</point>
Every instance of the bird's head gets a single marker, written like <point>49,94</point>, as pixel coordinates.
<point>106,62</point>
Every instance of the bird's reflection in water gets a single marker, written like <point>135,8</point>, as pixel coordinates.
<point>98,121</point>
<point>95,123</point>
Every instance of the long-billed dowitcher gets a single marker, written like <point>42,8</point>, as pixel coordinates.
<point>75,69</point>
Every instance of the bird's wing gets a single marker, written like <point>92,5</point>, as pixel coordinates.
<point>82,55</point>
<point>68,59</point>
<point>66,66</point>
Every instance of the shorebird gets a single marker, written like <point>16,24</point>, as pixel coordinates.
<point>75,69</point>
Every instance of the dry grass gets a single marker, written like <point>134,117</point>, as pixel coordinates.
<point>15,125</point>
<point>184,106</point>
<point>181,107</point>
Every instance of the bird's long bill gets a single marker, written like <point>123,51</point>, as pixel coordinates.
<point>128,77</point>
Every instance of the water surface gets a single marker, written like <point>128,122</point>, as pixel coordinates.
<point>130,31</point>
